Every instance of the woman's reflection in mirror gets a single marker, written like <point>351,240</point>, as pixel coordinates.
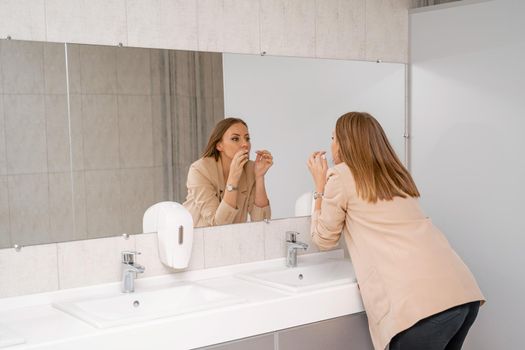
<point>224,185</point>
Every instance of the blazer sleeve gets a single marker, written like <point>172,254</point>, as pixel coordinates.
<point>258,213</point>
<point>327,223</point>
<point>207,209</point>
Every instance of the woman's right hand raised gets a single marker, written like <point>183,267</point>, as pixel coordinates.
<point>318,167</point>
<point>237,165</point>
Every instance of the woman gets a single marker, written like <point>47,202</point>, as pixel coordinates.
<point>224,185</point>
<point>417,293</point>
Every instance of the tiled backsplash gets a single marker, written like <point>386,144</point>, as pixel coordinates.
<point>42,268</point>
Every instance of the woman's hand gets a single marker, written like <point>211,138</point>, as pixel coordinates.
<point>263,162</point>
<point>318,167</point>
<point>237,165</point>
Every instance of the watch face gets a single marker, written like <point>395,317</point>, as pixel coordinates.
<point>230,187</point>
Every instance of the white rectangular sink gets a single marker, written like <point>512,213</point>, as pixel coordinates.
<point>304,277</point>
<point>121,309</point>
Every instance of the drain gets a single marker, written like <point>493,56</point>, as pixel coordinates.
<point>300,276</point>
<point>136,303</point>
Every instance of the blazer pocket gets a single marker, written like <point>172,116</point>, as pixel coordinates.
<point>375,298</point>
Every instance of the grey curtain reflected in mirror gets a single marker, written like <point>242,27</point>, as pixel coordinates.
<point>91,136</point>
<point>423,3</point>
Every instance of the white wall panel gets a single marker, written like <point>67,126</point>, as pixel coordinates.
<point>467,144</point>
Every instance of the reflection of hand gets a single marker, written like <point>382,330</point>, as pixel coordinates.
<point>263,162</point>
<point>318,167</point>
<point>237,165</point>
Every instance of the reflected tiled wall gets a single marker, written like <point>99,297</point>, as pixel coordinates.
<point>95,261</point>
<point>94,174</point>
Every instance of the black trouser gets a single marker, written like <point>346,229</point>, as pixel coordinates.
<point>443,331</point>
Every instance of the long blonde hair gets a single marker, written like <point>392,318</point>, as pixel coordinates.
<point>364,147</point>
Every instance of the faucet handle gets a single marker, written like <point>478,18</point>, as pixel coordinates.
<point>291,236</point>
<point>128,256</point>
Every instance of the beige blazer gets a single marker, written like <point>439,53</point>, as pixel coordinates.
<point>206,186</point>
<point>405,267</point>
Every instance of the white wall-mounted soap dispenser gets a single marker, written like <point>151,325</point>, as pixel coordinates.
<point>174,227</point>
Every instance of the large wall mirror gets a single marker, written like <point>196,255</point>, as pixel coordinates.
<point>91,136</point>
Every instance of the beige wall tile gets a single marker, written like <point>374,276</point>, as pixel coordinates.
<point>170,24</point>
<point>197,251</point>
<point>340,29</point>
<point>23,19</point>
<point>211,25</point>
<point>79,21</point>
<point>274,239</point>
<point>275,236</point>
<point>57,133</point>
<point>147,244</point>
<point>25,131</point>
<point>73,68</point>
<point>5,238</point>
<point>29,208</point>
<point>77,133</point>
<point>100,131</point>
<point>103,201</point>
<point>302,225</point>
<point>31,270</point>
<point>288,27</point>
<point>133,71</point>
<point>221,246</point>
<point>135,131</point>
<point>251,241</point>
<point>137,195</point>
<point>3,155</point>
<point>22,67</point>
<point>55,68</point>
<point>61,211</point>
<point>241,31</point>
<point>91,261</point>
<point>98,69</point>
<point>387,30</point>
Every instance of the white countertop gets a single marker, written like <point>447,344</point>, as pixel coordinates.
<point>265,310</point>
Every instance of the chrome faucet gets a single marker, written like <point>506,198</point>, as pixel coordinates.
<point>129,271</point>
<point>291,248</point>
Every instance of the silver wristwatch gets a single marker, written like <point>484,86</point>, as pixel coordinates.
<point>318,195</point>
<point>230,187</point>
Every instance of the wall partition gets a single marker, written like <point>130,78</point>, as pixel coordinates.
<point>467,92</point>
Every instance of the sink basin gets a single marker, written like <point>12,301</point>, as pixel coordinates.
<point>121,309</point>
<point>305,277</point>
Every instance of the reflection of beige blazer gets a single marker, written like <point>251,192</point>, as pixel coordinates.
<point>405,267</point>
<point>206,188</point>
